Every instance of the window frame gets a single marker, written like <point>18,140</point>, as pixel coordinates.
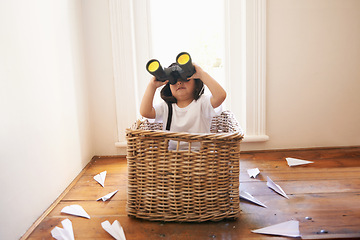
<point>131,38</point>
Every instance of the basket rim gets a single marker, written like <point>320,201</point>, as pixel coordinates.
<point>135,129</point>
<point>179,135</point>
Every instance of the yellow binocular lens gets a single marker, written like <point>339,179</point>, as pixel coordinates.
<point>183,58</point>
<point>153,66</point>
<point>182,69</point>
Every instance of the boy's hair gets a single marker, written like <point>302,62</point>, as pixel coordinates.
<point>167,96</point>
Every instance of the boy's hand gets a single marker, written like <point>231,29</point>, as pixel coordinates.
<point>198,71</point>
<point>217,92</point>
<point>156,84</point>
<point>146,107</point>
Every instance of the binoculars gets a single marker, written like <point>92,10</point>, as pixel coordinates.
<point>181,69</point>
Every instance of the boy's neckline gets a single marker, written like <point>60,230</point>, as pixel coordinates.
<point>184,104</point>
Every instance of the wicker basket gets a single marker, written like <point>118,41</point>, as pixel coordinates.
<point>185,186</point>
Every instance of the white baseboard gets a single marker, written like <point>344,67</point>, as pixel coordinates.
<point>255,138</point>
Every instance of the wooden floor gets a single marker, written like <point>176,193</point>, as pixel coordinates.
<point>328,191</point>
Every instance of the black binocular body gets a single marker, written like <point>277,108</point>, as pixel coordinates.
<point>182,69</point>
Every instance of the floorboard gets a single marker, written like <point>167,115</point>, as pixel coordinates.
<point>327,190</point>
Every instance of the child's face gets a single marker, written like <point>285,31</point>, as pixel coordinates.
<point>183,90</point>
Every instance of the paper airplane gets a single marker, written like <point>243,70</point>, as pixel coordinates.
<point>249,197</point>
<point>65,233</point>
<point>275,187</point>
<point>107,196</point>
<point>288,229</point>
<point>100,178</point>
<point>253,172</point>
<point>295,162</point>
<point>115,229</point>
<point>76,210</point>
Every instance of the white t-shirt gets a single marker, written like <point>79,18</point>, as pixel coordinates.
<point>194,118</point>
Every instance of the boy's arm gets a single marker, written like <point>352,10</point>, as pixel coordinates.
<point>146,107</point>
<point>217,91</point>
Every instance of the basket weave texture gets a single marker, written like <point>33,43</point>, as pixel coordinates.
<point>184,185</point>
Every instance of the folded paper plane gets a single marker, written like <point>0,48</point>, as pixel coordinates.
<point>275,187</point>
<point>115,229</point>
<point>288,229</point>
<point>76,210</point>
<point>100,178</point>
<point>249,197</point>
<point>65,233</point>
<point>253,172</point>
<point>295,162</point>
<point>107,196</point>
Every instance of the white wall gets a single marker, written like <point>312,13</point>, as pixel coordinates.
<point>98,53</point>
<point>313,75</point>
<point>45,120</point>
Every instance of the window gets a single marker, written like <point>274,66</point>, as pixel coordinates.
<point>177,26</point>
<point>230,45</point>
<point>190,28</point>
